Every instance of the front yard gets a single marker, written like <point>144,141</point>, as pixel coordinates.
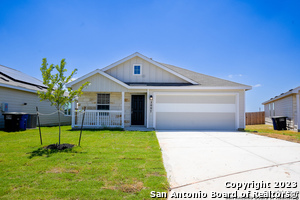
<point>267,130</point>
<point>108,165</point>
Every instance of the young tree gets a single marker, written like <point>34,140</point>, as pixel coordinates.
<point>57,93</point>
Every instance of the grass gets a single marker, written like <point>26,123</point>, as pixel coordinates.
<point>108,165</point>
<point>267,130</point>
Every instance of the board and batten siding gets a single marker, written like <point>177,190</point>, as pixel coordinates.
<point>17,98</point>
<point>150,72</point>
<point>99,83</point>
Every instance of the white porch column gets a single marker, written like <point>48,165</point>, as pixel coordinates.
<point>148,107</point>
<point>123,109</point>
<point>73,113</point>
<point>298,112</point>
<point>237,112</point>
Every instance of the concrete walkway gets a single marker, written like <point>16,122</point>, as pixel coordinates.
<point>216,162</point>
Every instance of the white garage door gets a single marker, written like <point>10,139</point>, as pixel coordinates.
<point>195,111</point>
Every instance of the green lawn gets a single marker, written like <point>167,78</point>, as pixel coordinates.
<point>267,130</point>
<point>108,165</point>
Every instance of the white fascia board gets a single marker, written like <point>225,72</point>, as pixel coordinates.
<point>70,84</point>
<point>18,88</point>
<point>167,69</point>
<point>187,88</point>
<point>196,93</point>
<point>294,91</point>
<point>152,62</point>
<point>99,72</point>
<point>120,61</point>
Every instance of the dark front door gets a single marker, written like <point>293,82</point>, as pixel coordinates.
<point>137,109</point>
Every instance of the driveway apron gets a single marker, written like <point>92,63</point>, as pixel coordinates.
<point>216,164</point>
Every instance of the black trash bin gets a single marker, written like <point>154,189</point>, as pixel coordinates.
<point>32,121</point>
<point>12,121</point>
<point>279,122</point>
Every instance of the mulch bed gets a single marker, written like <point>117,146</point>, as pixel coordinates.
<point>59,146</point>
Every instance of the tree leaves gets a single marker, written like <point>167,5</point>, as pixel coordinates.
<point>57,93</point>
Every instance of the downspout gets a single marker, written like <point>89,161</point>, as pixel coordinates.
<point>123,110</point>
<point>244,109</point>
<point>298,111</point>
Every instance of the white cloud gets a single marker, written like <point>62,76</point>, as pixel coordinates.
<point>234,75</point>
<point>257,85</point>
<point>73,79</point>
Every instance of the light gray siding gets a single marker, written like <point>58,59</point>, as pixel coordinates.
<point>150,72</point>
<point>283,107</point>
<point>17,98</point>
<point>101,83</point>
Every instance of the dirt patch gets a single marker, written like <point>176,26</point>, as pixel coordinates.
<point>59,170</point>
<point>124,187</point>
<point>154,174</point>
<point>132,188</point>
<point>279,136</point>
<point>60,146</point>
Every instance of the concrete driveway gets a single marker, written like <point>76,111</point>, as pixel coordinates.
<point>218,164</point>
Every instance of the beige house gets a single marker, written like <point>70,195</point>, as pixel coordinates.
<point>138,91</point>
<point>18,93</point>
<point>287,105</point>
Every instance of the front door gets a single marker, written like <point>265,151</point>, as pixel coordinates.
<point>137,109</point>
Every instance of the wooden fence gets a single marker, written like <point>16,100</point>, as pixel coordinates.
<point>253,118</point>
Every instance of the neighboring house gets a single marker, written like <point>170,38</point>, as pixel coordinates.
<point>287,105</point>
<point>19,91</point>
<point>140,91</point>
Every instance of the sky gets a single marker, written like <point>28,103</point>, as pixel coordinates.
<point>253,42</point>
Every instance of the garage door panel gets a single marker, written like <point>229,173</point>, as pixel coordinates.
<point>180,107</point>
<point>195,121</point>
<point>196,99</point>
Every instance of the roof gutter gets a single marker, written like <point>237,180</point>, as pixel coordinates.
<point>17,88</point>
<point>294,91</point>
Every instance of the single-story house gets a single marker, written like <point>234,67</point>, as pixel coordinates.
<point>137,90</point>
<point>287,105</point>
<point>18,93</point>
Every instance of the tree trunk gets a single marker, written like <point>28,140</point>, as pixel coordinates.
<point>59,127</point>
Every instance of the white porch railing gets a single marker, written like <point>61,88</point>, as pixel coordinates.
<point>98,118</point>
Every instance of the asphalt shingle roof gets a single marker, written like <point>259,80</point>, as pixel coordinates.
<point>202,79</point>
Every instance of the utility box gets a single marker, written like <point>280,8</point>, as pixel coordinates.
<point>32,120</point>
<point>4,107</point>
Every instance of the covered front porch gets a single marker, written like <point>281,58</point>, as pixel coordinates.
<point>111,110</point>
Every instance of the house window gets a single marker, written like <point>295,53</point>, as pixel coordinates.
<point>103,102</point>
<point>137,69</point>
<point>67,109</point>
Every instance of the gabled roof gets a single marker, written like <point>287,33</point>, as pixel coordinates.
<point>150,61</point>
<point>204,80</point>
<point>97,71</point>
<point>12,78</point>
<point>282,95</point>
<point>195,80</point>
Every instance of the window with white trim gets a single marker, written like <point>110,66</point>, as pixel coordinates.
<point>137,69</point>
<point>103,102</point>
<point>67,109</point>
